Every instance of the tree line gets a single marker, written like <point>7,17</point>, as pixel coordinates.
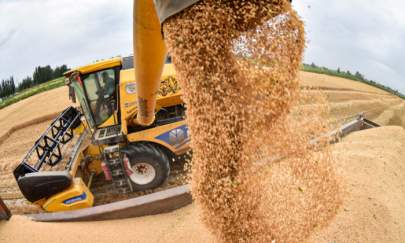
<point>41,75</point>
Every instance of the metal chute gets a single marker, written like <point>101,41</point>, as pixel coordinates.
<point>149,57</point>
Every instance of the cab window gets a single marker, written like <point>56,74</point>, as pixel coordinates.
<point>100,88</point>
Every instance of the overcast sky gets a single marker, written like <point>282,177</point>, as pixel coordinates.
<point>360,35</point>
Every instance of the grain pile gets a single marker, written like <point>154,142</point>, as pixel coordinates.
<point>238,62</point>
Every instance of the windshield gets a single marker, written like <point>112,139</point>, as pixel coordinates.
<point>83,103</point>
<point>100,90</point>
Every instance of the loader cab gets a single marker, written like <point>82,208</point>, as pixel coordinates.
<point>100,94</point>
<point>95,88</point>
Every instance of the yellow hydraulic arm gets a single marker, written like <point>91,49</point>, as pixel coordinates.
<point>149,58</point>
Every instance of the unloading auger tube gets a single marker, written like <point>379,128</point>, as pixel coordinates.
<point>150,51</point>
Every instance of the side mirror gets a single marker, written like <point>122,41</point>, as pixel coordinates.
<point>67,81</point>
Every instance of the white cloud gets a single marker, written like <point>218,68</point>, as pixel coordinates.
<point>361,35</point>
<point>61,32</point>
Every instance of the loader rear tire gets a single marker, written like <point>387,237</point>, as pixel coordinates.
<point>147,166</point>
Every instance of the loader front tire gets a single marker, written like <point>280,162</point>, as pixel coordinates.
<point>147,166</point>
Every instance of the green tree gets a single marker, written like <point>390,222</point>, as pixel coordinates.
<point>58,71</point>
<point>359,76</point>
<point>26,83</point>
<point>7,87</point>
<point>42,74</point>
<point>46,73</point>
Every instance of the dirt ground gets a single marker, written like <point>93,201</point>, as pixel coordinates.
<point>370,164</point>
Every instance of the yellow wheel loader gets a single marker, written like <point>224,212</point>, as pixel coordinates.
<point>126,127</point>
<point>110,141</point>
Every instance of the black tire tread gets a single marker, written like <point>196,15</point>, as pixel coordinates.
<point>152,150</point>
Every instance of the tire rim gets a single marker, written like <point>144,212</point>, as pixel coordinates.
<point>142,173</point>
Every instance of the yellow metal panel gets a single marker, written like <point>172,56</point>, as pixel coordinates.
<point>110,121</point>
<point>77,196</point>
<point>170,100</point>
<point>128,96</point>
<point>95,167</point>
<point>95,164</point>
<point>78,157</point>
<point>100,65</point>
<point>80,129</point>
<point>93,150</point>
<point>127,75</point>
